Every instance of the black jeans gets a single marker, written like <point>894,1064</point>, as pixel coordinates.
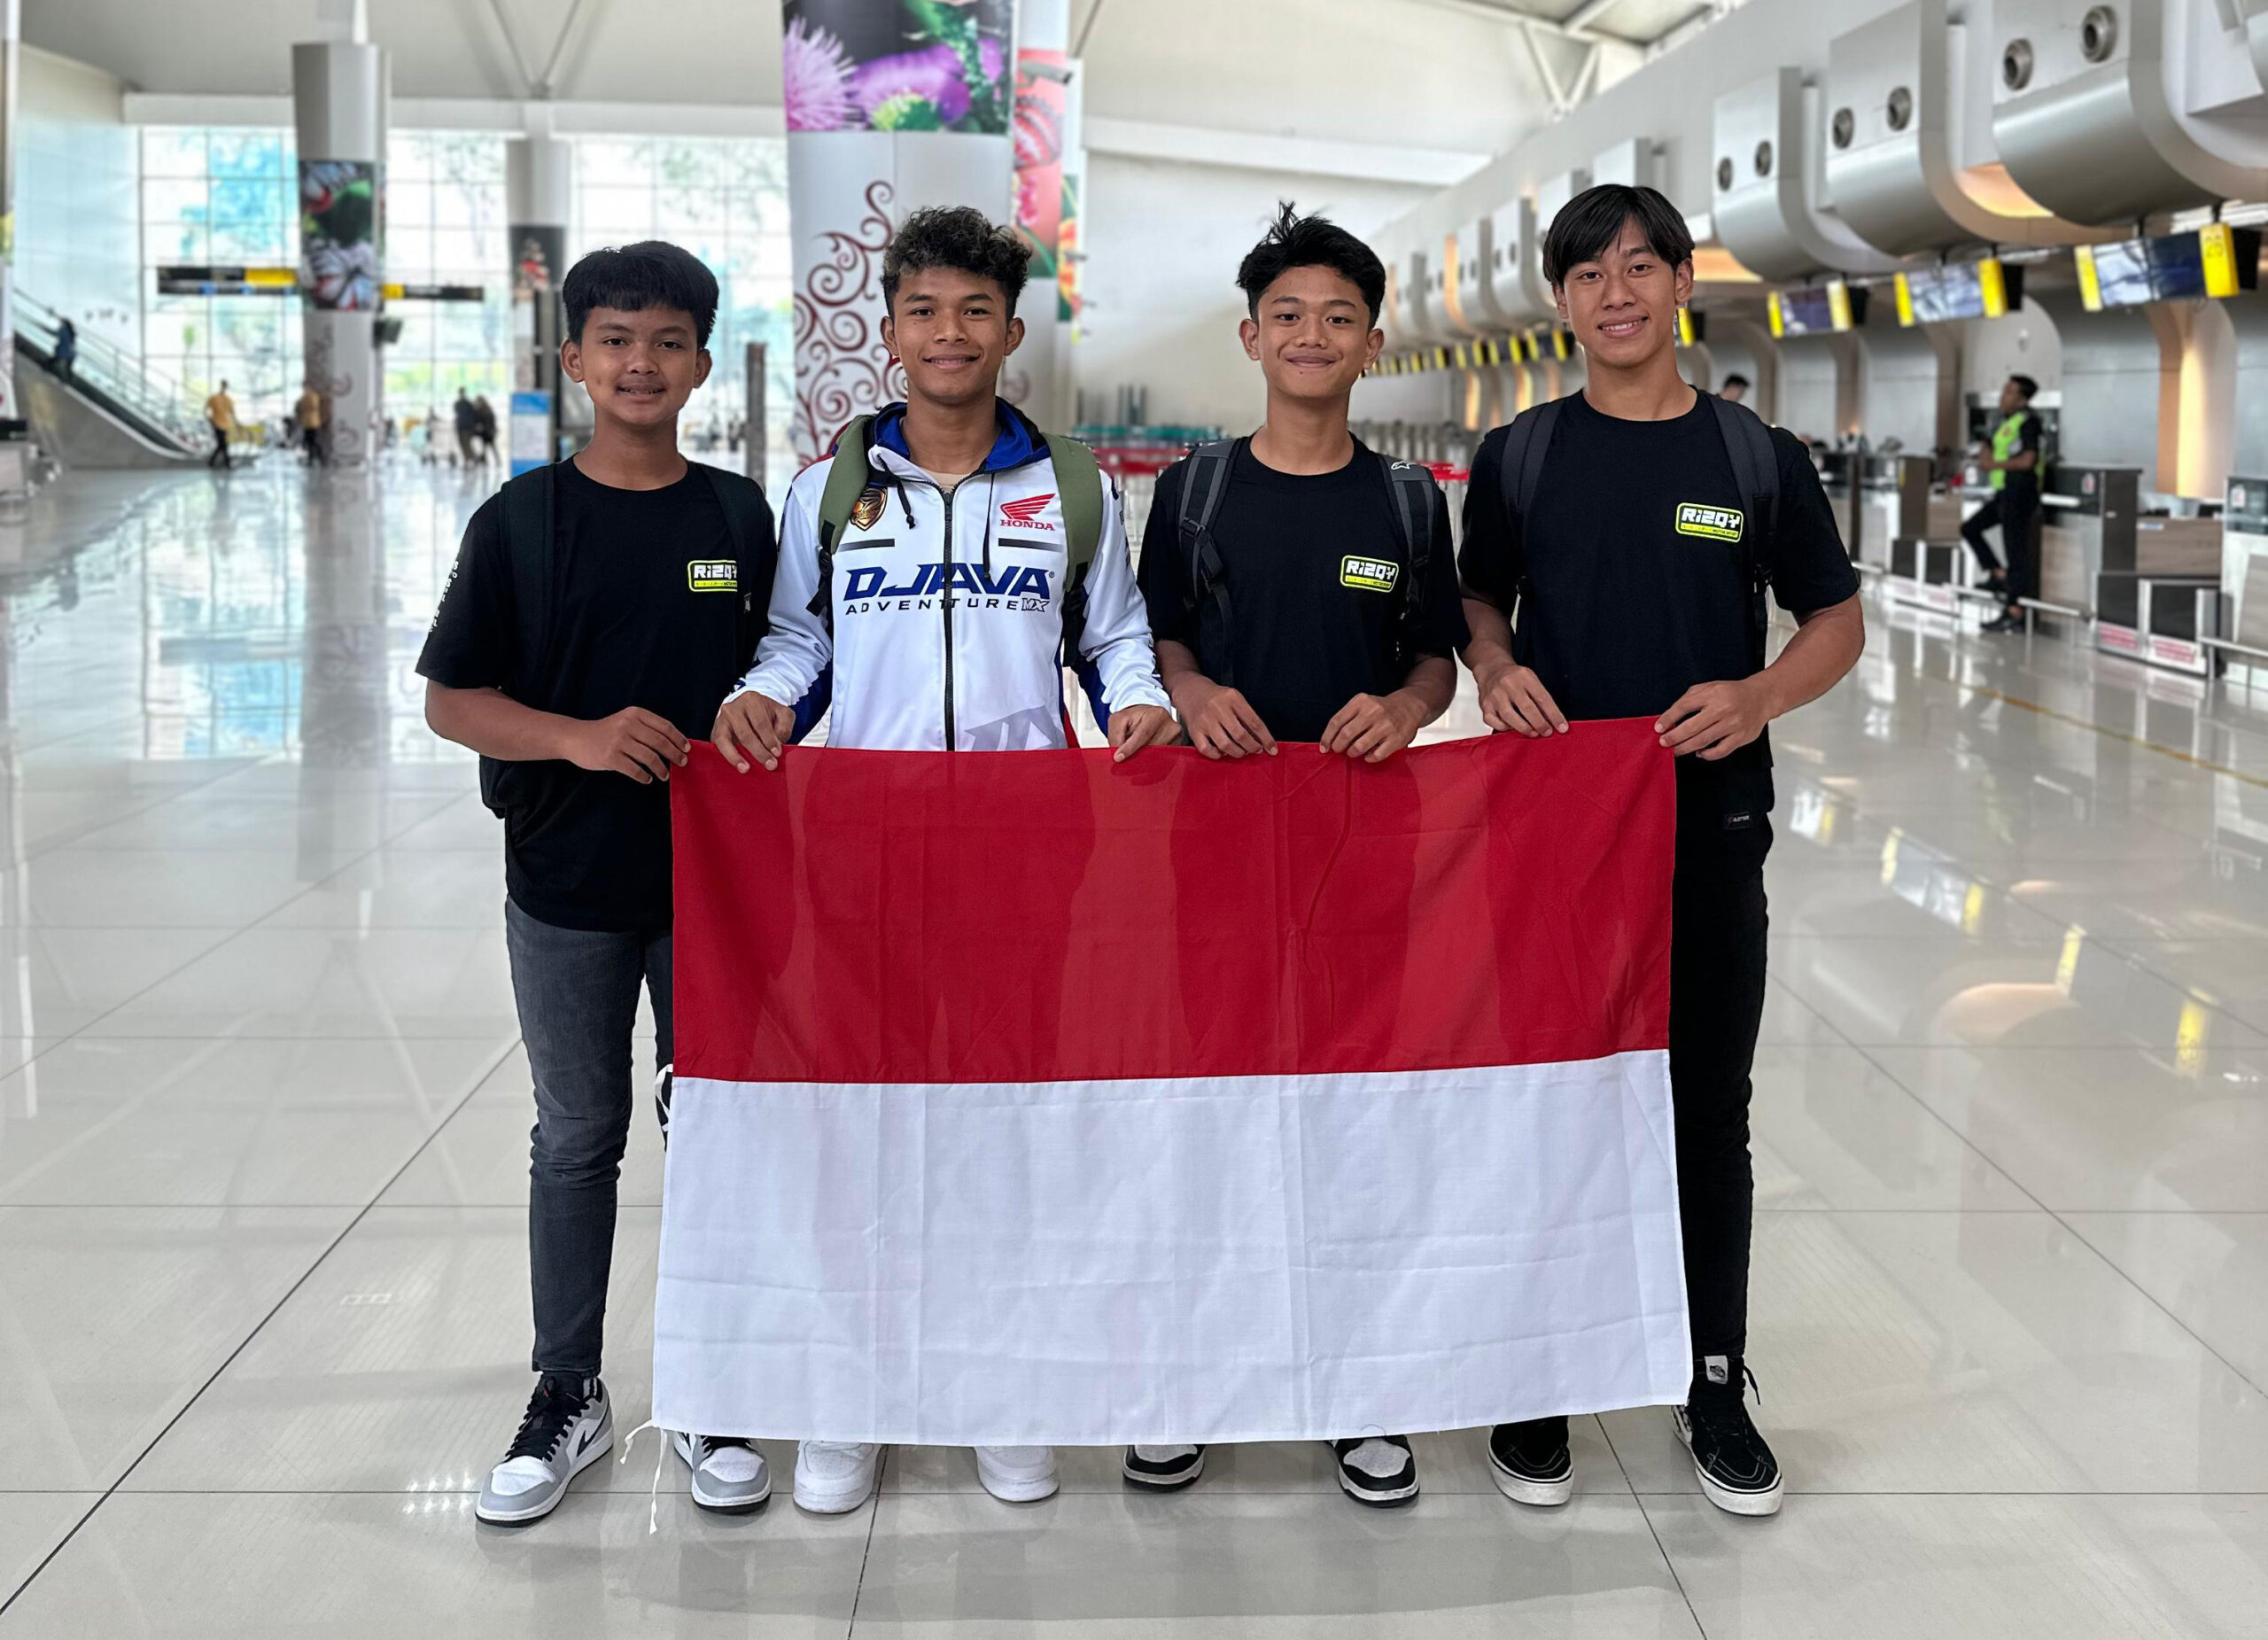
<point>2014,512</point>
<point>1716,1008</point>
<point>578,998</point>
<point>220,457</point>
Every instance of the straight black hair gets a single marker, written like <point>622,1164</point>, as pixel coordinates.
<point>1736,380</point>
<point>1593,219</point>
<point>2026,386</point>
<point>1296,241</point>
<point>653,273</point>
<point>958,236</point>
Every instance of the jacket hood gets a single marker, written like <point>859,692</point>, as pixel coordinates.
<point>1018,443</point>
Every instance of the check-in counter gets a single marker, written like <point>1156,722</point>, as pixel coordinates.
<point>1928,563</point>
<point>2244,580</point>
<point>2157,584</point>
<point>2087,522</point>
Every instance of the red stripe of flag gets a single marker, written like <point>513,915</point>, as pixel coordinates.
<point>894,917</point>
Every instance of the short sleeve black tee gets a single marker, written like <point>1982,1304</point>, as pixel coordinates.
<point>644,616</point>
<point>1316,568</point>
<point>1632,585</point>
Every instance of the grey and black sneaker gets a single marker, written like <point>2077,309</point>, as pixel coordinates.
<point>728,1473</point>
<point>1377,1470</point>
<point>1530,1462</point>
<point>569,1426</point>
<point>1738,1472</point>
<point>1163,1468</point>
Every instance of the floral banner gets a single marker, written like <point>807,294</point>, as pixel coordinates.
<point>897,66</point>
<point>338,233</point>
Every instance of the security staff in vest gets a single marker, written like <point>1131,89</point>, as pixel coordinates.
<point>1617,543</point>
<point>2013,471</point>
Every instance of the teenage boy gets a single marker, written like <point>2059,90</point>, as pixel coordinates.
<point>1633,527</point>
<point>1300,588</point>
<point>599,611</point>
<point>947,561</point>
<point>2013,472</point>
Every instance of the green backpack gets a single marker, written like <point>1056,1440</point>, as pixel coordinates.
<point>1078,482</point>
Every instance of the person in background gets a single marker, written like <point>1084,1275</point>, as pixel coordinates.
<point>467,420</point>
<point>483,428</point>
<point>1735,390</point>
<point>308,414</point>
<point>66,349</point>
<point>220,415</point>
<point>2013,471</point>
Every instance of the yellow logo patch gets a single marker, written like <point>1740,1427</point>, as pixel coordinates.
<point>712,575</point>
<point>1369,574</point>
<point>1716,523</point>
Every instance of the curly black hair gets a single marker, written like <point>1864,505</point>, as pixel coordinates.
<point>1296,241</point>
<point>653,273</point>
<point>956,237</point>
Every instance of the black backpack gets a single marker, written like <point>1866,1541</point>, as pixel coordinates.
<point>1756,469</point>
<point>1205,480</point>
<point>531,548</point>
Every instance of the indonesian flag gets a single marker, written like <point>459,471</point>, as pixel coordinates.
<point>1029,1098</point>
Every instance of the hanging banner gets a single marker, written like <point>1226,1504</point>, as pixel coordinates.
<point>891,105</point>
<point>339,247</point>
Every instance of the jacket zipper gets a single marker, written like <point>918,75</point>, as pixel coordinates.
<point>946,602</point>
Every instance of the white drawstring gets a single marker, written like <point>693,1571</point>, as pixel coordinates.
<point>654,1498</point>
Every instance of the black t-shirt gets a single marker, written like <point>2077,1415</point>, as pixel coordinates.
<point>1629,592</point>
<point>1315,565</point>
<point>644,616</point>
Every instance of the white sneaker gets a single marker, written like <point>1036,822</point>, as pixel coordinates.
<point>727,1474</point>
<point>834,1477</point>
<point>569,1426</point>
<point>1017,1475</point>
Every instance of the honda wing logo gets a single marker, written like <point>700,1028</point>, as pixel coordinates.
<point>1024,514</point>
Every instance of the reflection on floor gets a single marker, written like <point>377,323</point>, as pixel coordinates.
<point>263,1120</point>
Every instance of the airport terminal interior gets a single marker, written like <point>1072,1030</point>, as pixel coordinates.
<point>264,1100</point>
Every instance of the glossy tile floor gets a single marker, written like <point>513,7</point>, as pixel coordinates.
<point>263,1311</point>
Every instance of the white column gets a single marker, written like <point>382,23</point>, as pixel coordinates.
<point>339,97</point>
<point>538,196</point>
<point>890,106</point>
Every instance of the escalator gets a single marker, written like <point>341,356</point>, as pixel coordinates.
<point>108,411</point>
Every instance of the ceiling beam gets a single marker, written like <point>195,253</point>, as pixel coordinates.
<point>1254,150</point>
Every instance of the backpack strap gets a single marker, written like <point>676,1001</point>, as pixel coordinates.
<point>755,555</point>
<point>847,478</point>
<point>1414,494</point>
<point>1203,482</point>
<point>1756,470</point>
<point>531,548</point>
<point>1526,442</point>
<point>1079,492</point>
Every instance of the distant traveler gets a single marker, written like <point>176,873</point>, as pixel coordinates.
<point>1735,390</point>
<point>66,349</point>
<point>2013,472</point>
<point>952,503</point>
<point>1301,588</point>
<point>483,428</point>
<point>468,425</point>
<point>220,415</point>
<point>578,668</point>
<point>308,414</point>
<point>1633,527</point>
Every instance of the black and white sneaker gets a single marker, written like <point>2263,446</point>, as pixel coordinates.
<point>1530,1462</point>
<point>1377,1470</point>
<point>1738,1472</point>
<point>569,1426</point>
<point>728,1475</point>
<point>1163,1468</point>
